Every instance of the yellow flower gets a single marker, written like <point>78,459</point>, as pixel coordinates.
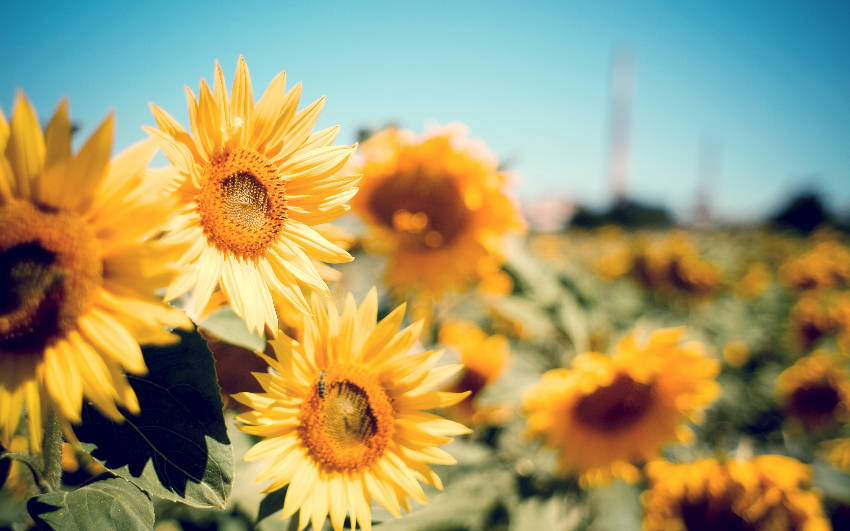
<point>736,353</point>
<point>815,390</point>
<point>826,265</point>
<point>670,265</point>
<point>754,282</point>
<point>770,492</point>
<point>436,205</point>
<point>605,413</point>
<point>838,453</point>
<point>78,269</point>
<point>252,183</point>
<point>342,415</point>
<point>484,359</point>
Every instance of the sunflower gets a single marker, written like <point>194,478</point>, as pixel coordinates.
<point>342,415</point>
<point>484,359</point>
<point>770,492</point>
<point>437,206</point>
<point>838,453</point>
<point>826,265</point>
<point>671,265</point>
<point>252,183</point>
<point>78,269</point>
<point>605,413</point>
<point>815,390</point>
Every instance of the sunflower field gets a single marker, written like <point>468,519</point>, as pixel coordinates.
<point>278,331</point>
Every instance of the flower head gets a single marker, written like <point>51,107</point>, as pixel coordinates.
<point>815,390</point>
<point>79,263</point>
<point>252,182</point>
<point>769,492</point>
<point>437,206</point>
<point>605,412</point>
<point>342,415</point>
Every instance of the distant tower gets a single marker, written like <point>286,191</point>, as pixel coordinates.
<point>622,84</point>
<point>708,169</point>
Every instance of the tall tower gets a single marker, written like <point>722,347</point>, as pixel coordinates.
<point>619,126</point>
<point>708,169</point>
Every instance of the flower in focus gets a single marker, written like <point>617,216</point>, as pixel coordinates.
<point>79,264</point>
<point>342,415</point>
<point>484,359</point>
<point>605,412</point>
<point>815,390</point>
<point>770,492</point>
<point>253,182</point>
<point>437,206</point>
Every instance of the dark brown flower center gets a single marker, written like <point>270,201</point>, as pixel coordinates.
<point>425,209</point>
<point>349,420</point>
<point>615,406</point>
<point>814,403</point>
<point>50,270</point>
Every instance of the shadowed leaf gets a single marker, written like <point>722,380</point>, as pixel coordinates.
<point>177,447</point>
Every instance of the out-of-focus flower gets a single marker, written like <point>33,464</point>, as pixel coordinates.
<point>768,493</point>
<point>342,416</point>
<point>826,265</point>
<point>253,182</point>
<point>815,390</point>
<point>605,412</point>
<point>838,453</point>
<point>79,264</point>
<point>437,205</point>
<point>484,360</point>
<point>820,313</point>
<point>670,265</point>
<point>754,282</point>
<point>736,353</point>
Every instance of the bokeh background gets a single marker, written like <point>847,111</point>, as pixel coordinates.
<point>676,164</point>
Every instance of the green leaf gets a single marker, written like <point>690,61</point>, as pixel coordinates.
<point>229,327</point>
<point>271,503</point>
<point>616,507</point>
<point>106,504</point>
<point>177,448</point>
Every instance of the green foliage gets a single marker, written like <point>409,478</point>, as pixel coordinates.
<point>177,448</point>
<point>226,325</point>
<point>106,504</point>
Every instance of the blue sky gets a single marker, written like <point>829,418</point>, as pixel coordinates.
<point>769,82</point>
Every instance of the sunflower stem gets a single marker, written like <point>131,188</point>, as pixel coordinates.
<point>51,446</point>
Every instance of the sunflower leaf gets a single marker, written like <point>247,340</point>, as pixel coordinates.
<point>177,448</point>
<point>106,504</point>
<point>271,503</point>
<point>230,328</point>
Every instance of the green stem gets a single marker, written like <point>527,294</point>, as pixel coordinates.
<point>51,477</point>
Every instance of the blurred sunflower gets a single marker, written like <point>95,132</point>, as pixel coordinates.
<point>671,265</point>
<point>815,390</point>
<point>78,269</point>
<point>252,183</point>
<point>437,206</point>
<point>342,415</point>
<point>606,413</point>
<point>484,359</point>
<point>826,265</point>
<point>838,453</point>
<point>753,282</point>
<point>768,493</point>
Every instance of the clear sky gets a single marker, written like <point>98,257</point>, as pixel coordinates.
<point>769,82</point>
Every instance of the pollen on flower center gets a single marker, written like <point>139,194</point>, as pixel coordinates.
<point>245,200</point>
<point>50,271</point>
<point>615,406</point>
<point>349,425</point>
<point>242,203</point>
<point>426,210</point>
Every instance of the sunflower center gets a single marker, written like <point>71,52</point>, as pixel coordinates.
<point>426,210</point>
<point>50,270</point>
<point>242,203</point>
<point>705,514</point>
<point>615,406</point>
<point>347,419</point>
<point>816,402</point>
